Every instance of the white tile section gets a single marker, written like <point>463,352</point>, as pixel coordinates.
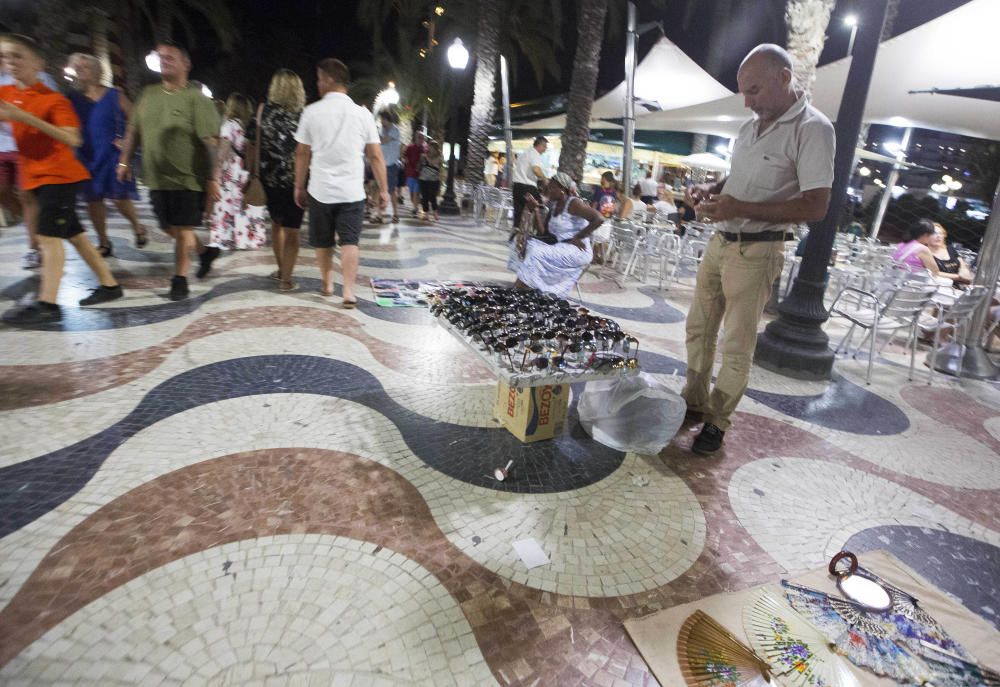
<point>810,508</point>
<point>294,609</point>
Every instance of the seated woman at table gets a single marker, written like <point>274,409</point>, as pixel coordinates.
<point>915,253</point>
<point>553,264</point>
<point>950,265</point>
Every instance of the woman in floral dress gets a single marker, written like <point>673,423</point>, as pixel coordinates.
<point>232,225</point>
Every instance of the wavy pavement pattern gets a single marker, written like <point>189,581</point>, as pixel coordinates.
<point>32,488</point>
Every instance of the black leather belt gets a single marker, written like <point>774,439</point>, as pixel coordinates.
<point>759,236</point>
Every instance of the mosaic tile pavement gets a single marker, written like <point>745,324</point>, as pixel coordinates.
<point>253,487</point>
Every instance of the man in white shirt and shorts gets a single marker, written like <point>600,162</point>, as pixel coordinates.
<point>334,137</point>
<point>528,174</point>
<point>781,174</point>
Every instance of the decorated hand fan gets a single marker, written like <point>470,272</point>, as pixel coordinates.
<point>798,654</point>
<point>949,662</point>
<point>865,638</point>
<point>710,655</point>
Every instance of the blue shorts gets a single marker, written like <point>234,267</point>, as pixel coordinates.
<point>392,176</point>
<point>413,184</point>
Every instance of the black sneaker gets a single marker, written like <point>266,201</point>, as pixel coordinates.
<point>709,440</point>
<point>36,313</point>
<point>178,288</point>
<point>206,259</point>
<point>103,294</point>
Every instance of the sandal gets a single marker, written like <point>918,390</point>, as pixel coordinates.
<point>106,250</point>
<point>141,237</point>
<point>287,285</point>
<point>349,305</point>
<point>326,294</point>
<point>276,275</point>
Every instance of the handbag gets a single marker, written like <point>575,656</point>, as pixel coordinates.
<point>253,192</point>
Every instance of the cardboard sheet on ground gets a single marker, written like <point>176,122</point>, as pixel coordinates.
<point>408,293</point>
<point>656,635</point>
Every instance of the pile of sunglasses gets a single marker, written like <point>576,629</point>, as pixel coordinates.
<point>535,332</point>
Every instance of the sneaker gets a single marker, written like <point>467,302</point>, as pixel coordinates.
<point>206,259</point>
<point>103,294</point>
<point>179,288</point>
<point>709,440</point>
<point>36,313</point>
<point>32,260</point>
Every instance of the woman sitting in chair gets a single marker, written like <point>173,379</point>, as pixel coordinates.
<point>915,253</point>
<point>554,260</point>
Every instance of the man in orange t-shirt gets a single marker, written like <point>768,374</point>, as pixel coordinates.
<point>46,130</point>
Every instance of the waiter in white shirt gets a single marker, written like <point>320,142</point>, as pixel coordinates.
<point>647,189</point>
<point>528,175</point>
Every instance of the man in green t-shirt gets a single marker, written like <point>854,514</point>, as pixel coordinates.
<point>178,129</point>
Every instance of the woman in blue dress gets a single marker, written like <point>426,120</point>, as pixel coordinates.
<point>104,115</point>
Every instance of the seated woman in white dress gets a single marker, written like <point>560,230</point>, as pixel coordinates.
<point>555,267</point>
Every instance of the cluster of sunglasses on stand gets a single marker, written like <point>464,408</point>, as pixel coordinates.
<point>536,332</point>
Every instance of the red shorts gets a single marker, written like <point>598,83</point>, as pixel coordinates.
<point>9,169</point>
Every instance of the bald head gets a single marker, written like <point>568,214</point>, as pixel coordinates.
<point>769,55</point>
<point>765,80</point>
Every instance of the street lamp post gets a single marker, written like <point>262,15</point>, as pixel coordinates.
<point>852,21</point>
<point>458,58</point>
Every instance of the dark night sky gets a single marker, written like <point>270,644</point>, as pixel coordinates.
<point>296,33</point>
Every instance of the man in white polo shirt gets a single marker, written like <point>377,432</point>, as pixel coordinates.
<point>647,189</point>
<point>781,174</point>
<point>528,174</point>
<point>334,137</point>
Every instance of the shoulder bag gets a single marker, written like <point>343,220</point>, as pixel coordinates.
<point>253,192</point>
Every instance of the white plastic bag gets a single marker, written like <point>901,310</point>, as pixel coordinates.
<point>635,413</point>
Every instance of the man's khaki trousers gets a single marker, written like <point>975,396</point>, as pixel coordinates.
<point>734,283</point>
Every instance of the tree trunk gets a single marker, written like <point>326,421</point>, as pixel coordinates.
<point>165,11</point>
<point>487,55</point>
<point>807,21</point>
<point>590,36</point>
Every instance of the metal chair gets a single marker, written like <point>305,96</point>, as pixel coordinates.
<point>954,317</point>
<point>691,250</point>
<point>891,311</point>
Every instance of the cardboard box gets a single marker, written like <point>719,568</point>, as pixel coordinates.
<point>534,413</point>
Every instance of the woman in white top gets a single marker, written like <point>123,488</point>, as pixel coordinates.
<point>555,267</point>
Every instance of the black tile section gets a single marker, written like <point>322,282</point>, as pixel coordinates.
<point>30,489</point>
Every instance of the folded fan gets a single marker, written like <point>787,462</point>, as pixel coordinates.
<point>709,654</point>
<point>798,654</point>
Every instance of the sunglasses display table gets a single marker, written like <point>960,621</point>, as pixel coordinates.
<point>656,635</point>
<point>534,376</point>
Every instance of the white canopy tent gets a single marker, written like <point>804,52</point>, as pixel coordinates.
<point>665,78</point>
<point>957,50</point>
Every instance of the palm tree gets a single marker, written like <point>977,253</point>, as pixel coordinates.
<point>590,35</point>
<point>517,28</point>
<point>481,118</point>
<point>807,21</point>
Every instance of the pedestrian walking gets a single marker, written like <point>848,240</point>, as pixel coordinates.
<point>334,137</point>
<point>104,114</point>
<point>46,130</point>
<point>177,127</point>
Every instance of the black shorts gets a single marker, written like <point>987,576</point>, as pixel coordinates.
<point>342,219</point>
<point>57,210</point>
<point>178,208</point>
<point>282,208</point>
